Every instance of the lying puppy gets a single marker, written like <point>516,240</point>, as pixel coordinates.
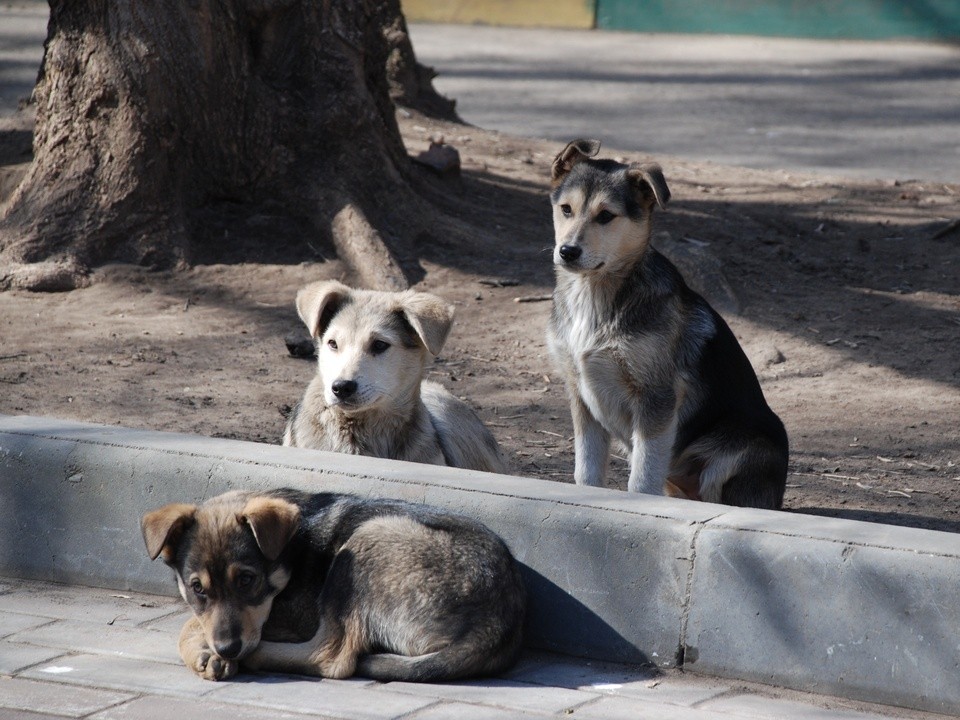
<point>369,396</point>
<point>333,585</point>
<point>646,360</point>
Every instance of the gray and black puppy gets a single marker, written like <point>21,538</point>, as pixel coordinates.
<point>335,585</point>
<point>647,362</point>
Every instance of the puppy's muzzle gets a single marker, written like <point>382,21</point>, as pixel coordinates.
<point>570,253</point>
<point>344,389</point>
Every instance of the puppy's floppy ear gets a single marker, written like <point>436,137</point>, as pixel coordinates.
<point>648,180</point>
<point>164,527</point>
<point>573,153</point>
<point>318,302</point>
<point>273,522</point>
<point>430,317</point>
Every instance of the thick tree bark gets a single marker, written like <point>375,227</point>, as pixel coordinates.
<point>160,122</point>
<point>411,84</point>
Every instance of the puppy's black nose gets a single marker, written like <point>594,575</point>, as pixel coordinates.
<point>344,388</point>
<point>228,650</point>
<point>569,253</point>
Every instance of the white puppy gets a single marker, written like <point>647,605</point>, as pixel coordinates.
<point>369,396</point>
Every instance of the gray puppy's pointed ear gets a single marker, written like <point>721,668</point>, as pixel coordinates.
<point>430,317</point>
<point>318,302</point>
<point>648,180</point>
<point>573,153</point>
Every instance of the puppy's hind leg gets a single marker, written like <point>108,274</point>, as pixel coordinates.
<point>758,481</point>
<point>328,654</point>
<point>591,445</point>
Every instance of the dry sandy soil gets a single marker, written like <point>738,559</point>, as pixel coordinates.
<point>849,309</point>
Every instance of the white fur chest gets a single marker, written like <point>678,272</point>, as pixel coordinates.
<point>583,322</point>
<point>583,344</point>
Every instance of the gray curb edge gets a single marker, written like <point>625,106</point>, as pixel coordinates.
<point>859,610</point>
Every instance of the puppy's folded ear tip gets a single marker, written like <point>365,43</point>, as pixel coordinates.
<point>163,527</point>
<point>574,152</point>
<point>588,147</point>
<point>431,318</point>
<point>274,522</point>
<point>316,298</point>
<point>650,178</point>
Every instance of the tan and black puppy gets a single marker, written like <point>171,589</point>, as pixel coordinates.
<point>647,362</point>
<point>369,396</point>
<point>334,585</point>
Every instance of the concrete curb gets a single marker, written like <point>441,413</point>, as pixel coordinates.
<point>864,611</point>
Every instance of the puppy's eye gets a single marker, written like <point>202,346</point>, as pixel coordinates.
<point>245,580</point>
<point>604,216</point>
<point>379,346</point>
<point>332,344</point>
<point>197,587</point>
<point>566,210</point>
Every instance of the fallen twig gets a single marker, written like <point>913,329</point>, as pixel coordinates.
<point>829,475</point>
<point>947,229</point>
<point>533,298</point>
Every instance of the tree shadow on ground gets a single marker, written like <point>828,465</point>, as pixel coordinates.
<point>902,519</point>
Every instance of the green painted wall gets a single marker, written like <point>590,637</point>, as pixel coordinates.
<point>862,19</point>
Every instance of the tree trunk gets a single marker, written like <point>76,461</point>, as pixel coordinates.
<point>170,130</point>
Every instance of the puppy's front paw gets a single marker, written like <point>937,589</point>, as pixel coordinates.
<point>211,666</point>
<point>198,656</point>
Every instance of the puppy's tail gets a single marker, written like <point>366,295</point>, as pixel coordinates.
<point>451,663</point>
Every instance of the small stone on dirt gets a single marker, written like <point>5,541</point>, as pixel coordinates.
<point>441,158</point>
<point>300,346</point>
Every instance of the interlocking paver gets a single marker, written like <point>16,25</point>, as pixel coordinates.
<point>501,693</point>
<point>754,706</point>
<point>89,604</point>
<point>15,622</point>
<point>613,679</point>
<point>100,639</point>
<point>8,714</point>
<point>166,708</point>
<point>41,697</point>
<point>353,700</point>
<point>172,623</point>
<point>123,674</point>
<point>463,711</point>
<point>574,673</point>
<point>624,708</point>
<point>14,657</point>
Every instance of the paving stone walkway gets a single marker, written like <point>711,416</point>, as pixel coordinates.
<point>76,652</point>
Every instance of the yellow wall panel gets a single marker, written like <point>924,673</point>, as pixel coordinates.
<point>523,13</point>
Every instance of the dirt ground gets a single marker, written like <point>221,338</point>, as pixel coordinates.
<point>849,309</point>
